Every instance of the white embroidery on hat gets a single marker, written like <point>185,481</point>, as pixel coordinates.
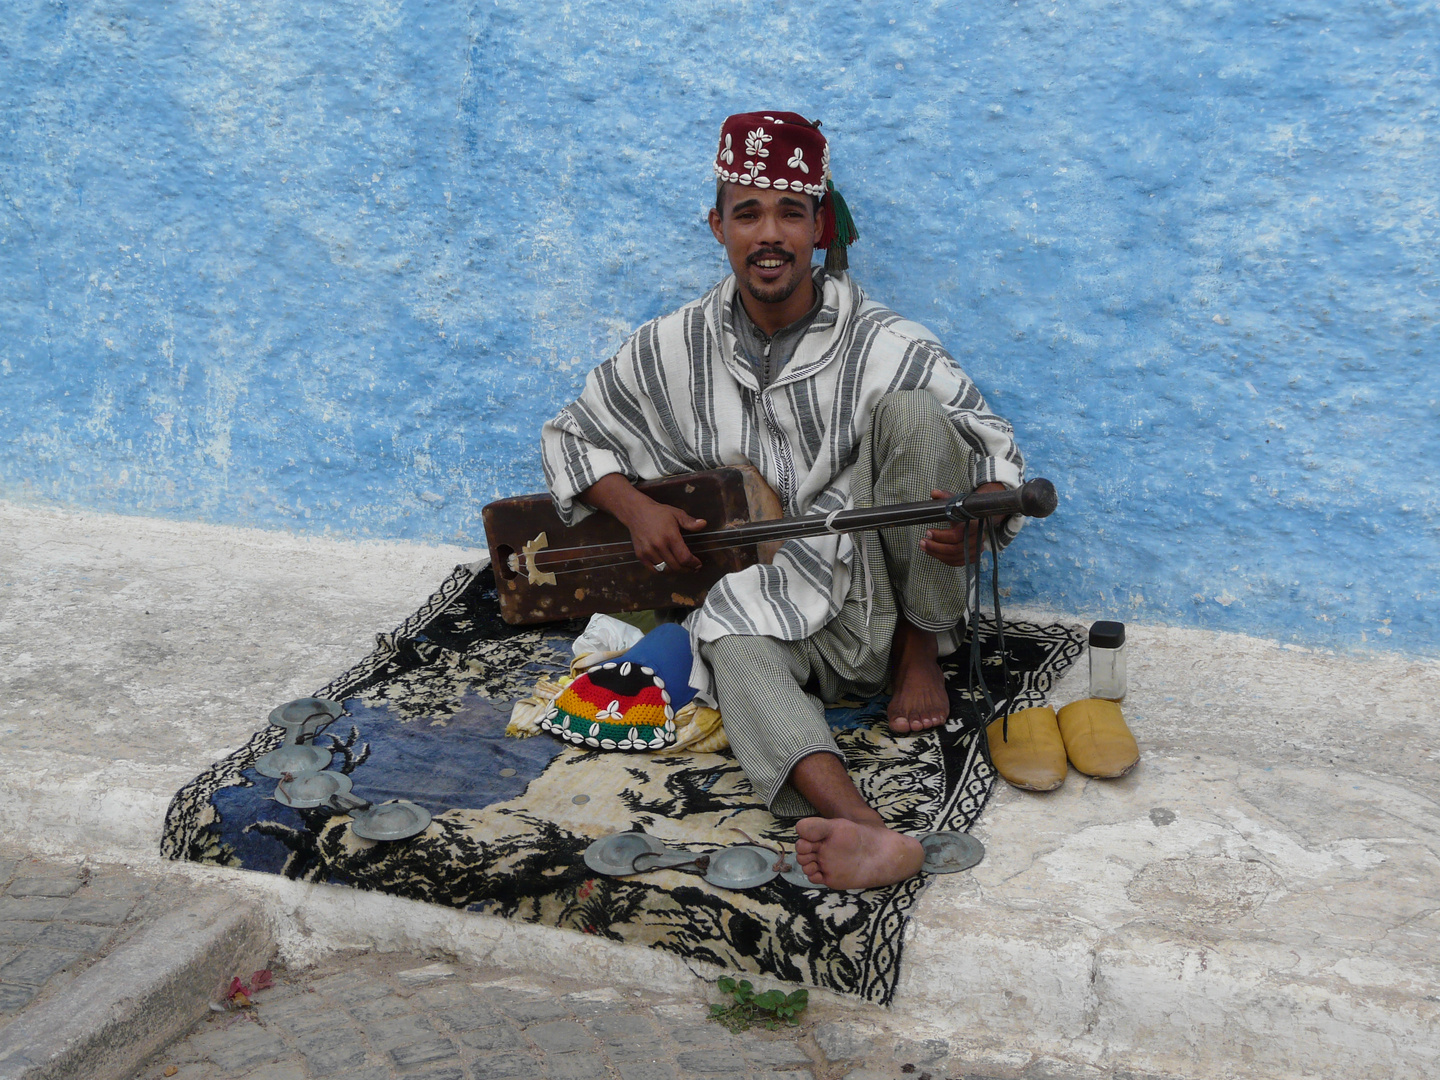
<point>755,167</point>
<point>726,154</point>
<point>797,161</point>
<point>741,178</point>
<point>755,143</point>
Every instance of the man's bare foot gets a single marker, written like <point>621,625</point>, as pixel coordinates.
<point>919,701</point>
<point>846,854</point>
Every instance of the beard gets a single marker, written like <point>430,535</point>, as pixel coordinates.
<point>782,290</point>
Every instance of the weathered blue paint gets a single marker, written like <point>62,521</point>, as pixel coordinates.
<point>327,266</point>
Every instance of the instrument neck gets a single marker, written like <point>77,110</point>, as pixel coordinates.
<point>845,521</point>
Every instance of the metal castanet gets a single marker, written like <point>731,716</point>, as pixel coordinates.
<point>545,570</point>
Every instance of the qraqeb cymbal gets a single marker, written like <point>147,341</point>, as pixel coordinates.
<point>742,867</point>
<point>950,852</point>
<point>295,716</point>
<point>615,855</point>
<point>398,819</point>
<point>311,790</point>
<point>295,759</point>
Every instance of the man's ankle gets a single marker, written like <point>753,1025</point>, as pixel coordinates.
<point>864,816</point>
<point>915,642</point>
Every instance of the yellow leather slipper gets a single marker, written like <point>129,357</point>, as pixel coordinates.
<point>1097,739</point>
<point>1033,757</point>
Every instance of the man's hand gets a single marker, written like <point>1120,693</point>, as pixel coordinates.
<point>655,529</point>
<point>950,545</point>
<point>655,532</point>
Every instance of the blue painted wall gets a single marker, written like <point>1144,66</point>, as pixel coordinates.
<point>327,266</point>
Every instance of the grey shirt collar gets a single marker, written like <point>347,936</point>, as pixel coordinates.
<point>769,354</point>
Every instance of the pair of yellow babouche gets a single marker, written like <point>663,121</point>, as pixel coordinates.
<point>1030,748</point>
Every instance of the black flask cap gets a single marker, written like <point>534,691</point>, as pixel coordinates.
<point>1107,635</point>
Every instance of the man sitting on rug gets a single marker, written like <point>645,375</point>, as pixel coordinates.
<point>839,403</point>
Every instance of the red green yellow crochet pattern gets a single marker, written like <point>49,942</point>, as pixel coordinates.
<point>616,706</point>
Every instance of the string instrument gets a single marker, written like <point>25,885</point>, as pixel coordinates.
<point>546,570</point>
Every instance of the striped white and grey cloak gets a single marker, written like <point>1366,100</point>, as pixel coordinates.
<point>678,397</point>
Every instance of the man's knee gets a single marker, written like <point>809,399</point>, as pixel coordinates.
<point>729,650</point>
<point>911,427</point>
<point>742,656</point>
<point>905,413</point>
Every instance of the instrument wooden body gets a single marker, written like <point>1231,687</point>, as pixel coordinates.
<point>725,498</point>
<point>546,571</point>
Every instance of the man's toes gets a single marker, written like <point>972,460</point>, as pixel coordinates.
<point>809,863</point>
<point>811,831</point>
<point>900,725</point>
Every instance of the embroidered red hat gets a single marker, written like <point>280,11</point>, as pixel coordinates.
<point>784,151</point>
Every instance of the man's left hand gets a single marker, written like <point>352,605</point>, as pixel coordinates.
<point>951,545</point>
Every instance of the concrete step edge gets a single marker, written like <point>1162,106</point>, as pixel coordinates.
<point>141,997</point>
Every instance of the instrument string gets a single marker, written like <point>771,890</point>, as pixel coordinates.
<point>621,552</point>
<point>762,531</point>
<point>596,558</point>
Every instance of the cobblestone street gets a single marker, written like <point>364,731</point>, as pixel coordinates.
<point>386,1017</point>
<point>58,918</point>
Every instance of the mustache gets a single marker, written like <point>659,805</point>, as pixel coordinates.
<point>770,253</point>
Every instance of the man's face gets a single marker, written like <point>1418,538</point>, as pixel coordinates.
<point>769,236</point>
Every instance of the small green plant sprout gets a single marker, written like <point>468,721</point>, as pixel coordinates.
<point>746,1007</point>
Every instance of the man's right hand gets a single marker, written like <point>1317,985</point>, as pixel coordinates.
<point>655,529</point>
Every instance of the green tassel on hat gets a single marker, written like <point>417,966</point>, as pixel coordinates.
<point>836,259</point>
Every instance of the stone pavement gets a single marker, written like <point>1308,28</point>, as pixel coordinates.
<point>56,919</point>
<point>365,1016</point>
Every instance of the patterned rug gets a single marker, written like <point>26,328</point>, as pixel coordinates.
<point>425,720</point>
